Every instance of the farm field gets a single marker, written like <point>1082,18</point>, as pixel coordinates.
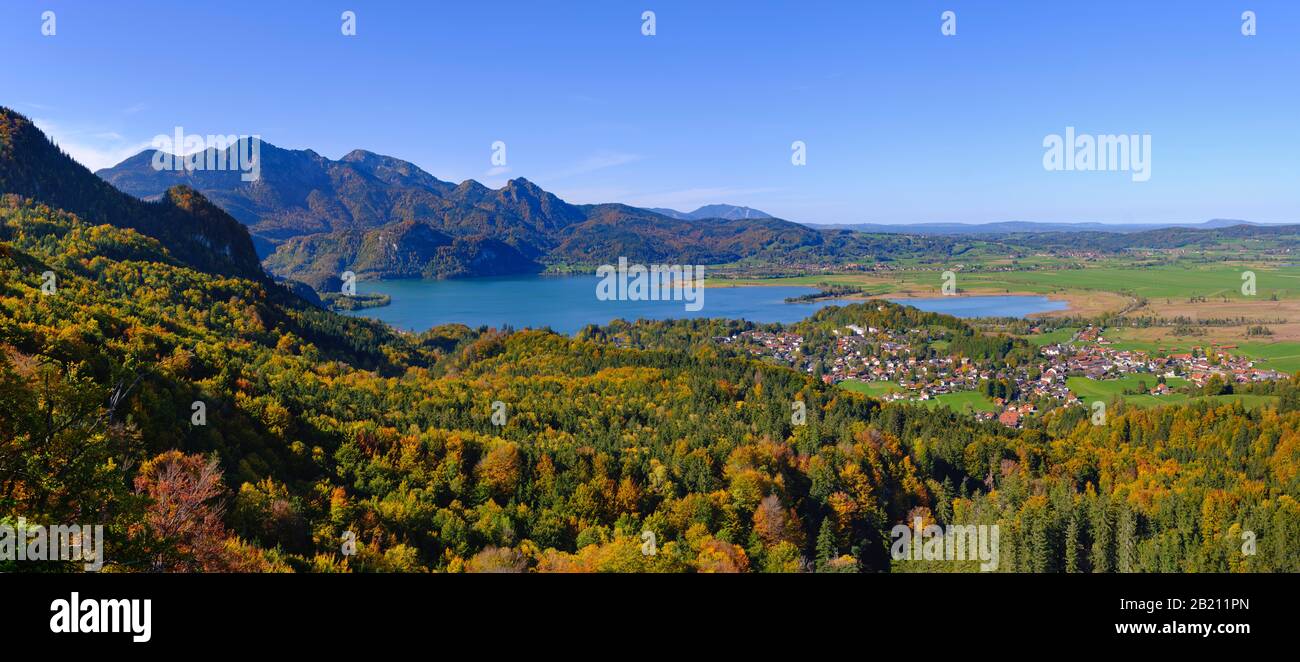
<point>1055,336</point>
<point>873,389</point>
<point>1090,390</point>
<point>1163,282</point>
<point>1282,355</point>
<point>962,401</point>
<point>1168,290</point>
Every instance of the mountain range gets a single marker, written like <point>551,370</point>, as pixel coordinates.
<point>313,218</point>
<point>193,230</point>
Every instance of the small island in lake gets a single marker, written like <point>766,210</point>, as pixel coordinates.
<point>336,301</point>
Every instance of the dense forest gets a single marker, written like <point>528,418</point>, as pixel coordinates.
<point>213,420</point>
<point>319,429</point>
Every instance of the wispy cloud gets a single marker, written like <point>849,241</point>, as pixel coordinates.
<point>93,148</point>
<point>591,195</point>
<point>598,161</point>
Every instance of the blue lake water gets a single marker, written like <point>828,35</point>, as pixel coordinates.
<point>563,303</point>
<point>568,303</point>
<point>990,306</point>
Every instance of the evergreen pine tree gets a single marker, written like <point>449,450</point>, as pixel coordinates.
<point>826,547</point>
<point>1103,547</point>
<point>1072,545</point>
<point>1126,540</point>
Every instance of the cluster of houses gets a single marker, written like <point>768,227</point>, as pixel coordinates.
<point>784,347</point>
<point>1091,355</point>
<point>877,355</point>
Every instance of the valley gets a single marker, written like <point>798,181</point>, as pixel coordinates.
<point>493,448</point>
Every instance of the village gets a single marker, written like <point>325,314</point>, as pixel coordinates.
<point>921,373</point>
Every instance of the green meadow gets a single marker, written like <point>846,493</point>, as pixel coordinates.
<point>1091,390</point>
<point>962,401</point>
<point>1056,336</point>
<point>873,389</point>
<point>1171,282</point>
<point>1162,282</point>
<point>1283,356</point>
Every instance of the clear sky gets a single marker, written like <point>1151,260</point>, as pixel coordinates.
<point>902,124</point>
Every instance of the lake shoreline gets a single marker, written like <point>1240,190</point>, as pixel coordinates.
<point>567,304</point>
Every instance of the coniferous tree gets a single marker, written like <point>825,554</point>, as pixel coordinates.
<point>826,546</point>
<point>1103,543</point>
<point>1072,546</point>
<point>1126,540</point>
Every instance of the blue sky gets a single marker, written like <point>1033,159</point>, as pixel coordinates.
<point>901,123</point>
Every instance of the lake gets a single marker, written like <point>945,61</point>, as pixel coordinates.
<point>563,303</point>
<point>568,303</point>
<point>984,306</point>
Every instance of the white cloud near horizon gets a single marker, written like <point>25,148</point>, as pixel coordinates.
<point>93,148</point>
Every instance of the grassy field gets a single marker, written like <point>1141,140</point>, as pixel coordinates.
<point>1284,356</point>
<point>1059,335</point>
<point>1090,390</point>
<point>1161,282</point>
<point>873,389</point>
<point>1195,291</point>
<point>1279,355</point>
<point>962,401</point>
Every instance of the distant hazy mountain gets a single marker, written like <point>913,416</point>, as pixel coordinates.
<point>1016,227</point>
<point>193,230</point>
<point>730,212</point>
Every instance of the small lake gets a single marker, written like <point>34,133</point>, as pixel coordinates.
<point>984,306</point>
<point>563,303</point>
<point>568,303</point>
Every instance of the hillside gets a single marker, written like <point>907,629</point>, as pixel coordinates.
<point>317,426</point>
<point>383,217</point>
<point>192,229</point>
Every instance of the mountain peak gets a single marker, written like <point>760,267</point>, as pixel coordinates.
<point>358,156</point>
<point>192,229</point>
<point>521,183</point>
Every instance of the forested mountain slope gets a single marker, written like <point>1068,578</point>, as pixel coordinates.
<point>191,228</point>
<point>324,427</point>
